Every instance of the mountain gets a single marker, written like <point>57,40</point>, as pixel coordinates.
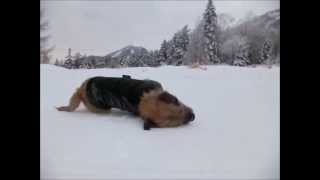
<point>128,56</point>
<point>272,19</point>
<point>253,32</point>
<point>128,52</point>
<point>268,22</point>
<point>269,19</point>
<point>132,56</point>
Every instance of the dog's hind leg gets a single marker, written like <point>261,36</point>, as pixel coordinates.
<point>74,102</point>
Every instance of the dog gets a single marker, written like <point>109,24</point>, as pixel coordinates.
<point>144,98</point>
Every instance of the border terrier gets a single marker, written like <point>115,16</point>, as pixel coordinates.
<point>144,98</point>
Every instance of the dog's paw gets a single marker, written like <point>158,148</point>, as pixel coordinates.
<point>146,126</point>
<point>63,108</point>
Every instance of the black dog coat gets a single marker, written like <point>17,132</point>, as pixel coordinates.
<point>122,93</point>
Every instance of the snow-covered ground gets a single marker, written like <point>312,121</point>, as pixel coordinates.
<point>235,133</point>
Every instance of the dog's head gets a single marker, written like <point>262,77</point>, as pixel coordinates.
<point>164,109</point>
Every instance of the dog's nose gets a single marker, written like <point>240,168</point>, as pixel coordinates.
<point>190,116</point>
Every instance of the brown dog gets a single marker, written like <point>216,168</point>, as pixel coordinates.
<point>144,98</point>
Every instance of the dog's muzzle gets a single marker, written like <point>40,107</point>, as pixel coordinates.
<point>190,117</point>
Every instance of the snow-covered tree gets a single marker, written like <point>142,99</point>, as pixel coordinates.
<point>210,28</point>
<point>170,52</point>
<point>77,56</point>
<point>178,46</point>
<point>44,50</point>
<point>241,57</point>
<point>45,56</point>
<point>250,15</point>
<point>225,21</point>
<point>93,63</point>
<point>57,63</point>
<point>124,62</point>
<point>135,61</point>
<point>69,61</point>
<point>266,52</point>
<point>229,48</point>
<point>152,59</point>
<point>68,64</point>
<point>163,56</point>
<point>195,52</point>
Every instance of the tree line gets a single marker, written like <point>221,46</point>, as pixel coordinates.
<point>213,41</point>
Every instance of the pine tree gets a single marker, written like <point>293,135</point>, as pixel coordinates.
<point>44,51</point>
<point>156,56</point>
<point>242,55</point>
<point>152,59</point>
<point>195,52</point>
<point>135,61</point>
<point>68,63</point>
<point>210,32</point>
<point>61,63</point>
<point>77,56</point>
<point>180,43</point>
<point>93,63</point>
<point>266,52</point>
<point>163,56</point>
<point>170,52</point>
<point>45,56</point>
<point>57,62</point>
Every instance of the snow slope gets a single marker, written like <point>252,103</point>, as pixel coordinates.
<point>235,133</point>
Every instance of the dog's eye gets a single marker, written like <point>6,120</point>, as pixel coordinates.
<point>175,101</point>
<point>168,98</point>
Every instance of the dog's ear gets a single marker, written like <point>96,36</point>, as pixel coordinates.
<point>168,98</point>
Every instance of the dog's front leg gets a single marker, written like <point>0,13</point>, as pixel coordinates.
<point>148,124</point>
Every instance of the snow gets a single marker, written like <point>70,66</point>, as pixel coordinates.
<point>235,134</point>
<point>116,54</point>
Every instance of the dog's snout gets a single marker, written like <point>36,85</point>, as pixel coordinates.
<point>190,116</point>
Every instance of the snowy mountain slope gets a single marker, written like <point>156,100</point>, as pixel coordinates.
<point>235,134</point>
<point>270,21</point>
<point>128,52</point>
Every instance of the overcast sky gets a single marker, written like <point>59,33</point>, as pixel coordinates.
<point>100,27</point>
